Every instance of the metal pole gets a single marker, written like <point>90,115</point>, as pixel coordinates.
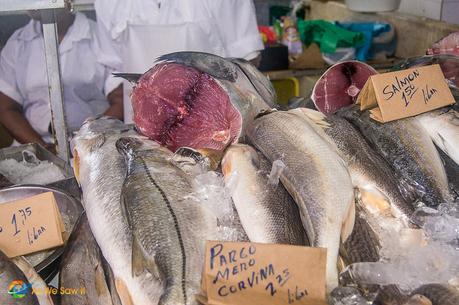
<point>54,83</point>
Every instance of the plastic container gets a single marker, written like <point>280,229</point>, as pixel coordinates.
<point>370,6</point>
<point>286,89</point>
<point>341,54</point>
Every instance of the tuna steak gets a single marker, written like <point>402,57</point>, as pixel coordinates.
<point>198,100</point>
<point>340,85</point>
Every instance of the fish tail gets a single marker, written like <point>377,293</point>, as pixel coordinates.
<point>127,146</point>
<point>131,77</point>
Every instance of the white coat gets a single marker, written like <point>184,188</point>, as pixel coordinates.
<point>86,80</point>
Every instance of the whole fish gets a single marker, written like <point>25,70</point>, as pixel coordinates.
<point>169,229</point>
<point>198,100</point>
<point>39,286</point>
<point>439,294</point>
<point>407,147</point>
<point>315,176</point>
<point>443,127</point>
<point>268,213</point>
<point>100,171</point>
<point>13,279</point>
<point>81,268</point>
<point>369,172</point>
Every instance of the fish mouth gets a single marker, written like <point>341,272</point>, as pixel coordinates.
<point>180,106</point>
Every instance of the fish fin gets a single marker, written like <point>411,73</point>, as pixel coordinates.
<point>211,64</point>
<point>340,264</point>
<point>214,156</point>
<point>348,224</point>
<point>265,112</point>
<point>123,292</point>
<point>142,261</point>
<point>131,77</point>
<point>76,166</point>
<point>96,142</point>
<point>101,285</point>
<point>375,202</point>
<point>316,117</point>
<point>127,146</point>
<point>110,277</point>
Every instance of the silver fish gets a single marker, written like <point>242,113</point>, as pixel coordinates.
<point>370,173</point>
<point>81,268</point>
<point>169,229</point>
<point>9,273</point>
<point>312,169</point>
<point>406,146</point>
<point>443,127</point>
<point>268,213</point>
<point>100,171</point>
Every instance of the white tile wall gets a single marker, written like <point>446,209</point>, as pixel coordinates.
<point>450,12</point>
<point>426,8</point>
<point>446,10</point>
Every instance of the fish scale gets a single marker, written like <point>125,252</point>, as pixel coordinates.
<point>100,171</point>
<point>169,229</point>
<point>408,149</point>
<point>312,170</point>
<point>176,225</point>
<point>268,213</point>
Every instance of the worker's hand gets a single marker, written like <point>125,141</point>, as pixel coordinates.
<point>13,119</point>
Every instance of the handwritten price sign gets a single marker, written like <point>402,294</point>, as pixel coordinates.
<point>252,274</point>
<point>30,225</point>
<point>401,94</point>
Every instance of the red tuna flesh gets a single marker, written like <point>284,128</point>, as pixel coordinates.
<point>340,85</point>
<point>179,106</point>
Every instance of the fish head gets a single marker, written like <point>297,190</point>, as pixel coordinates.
<point>239,155</point>
<point>257,80</point>
<point>92,136</point>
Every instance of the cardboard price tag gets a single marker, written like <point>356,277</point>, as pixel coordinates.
<point>30,225</point>
<point>396,95</point>
<point>263,274</point>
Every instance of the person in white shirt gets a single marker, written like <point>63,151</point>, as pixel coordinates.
<point>89,89</point>
<point>135,32</point>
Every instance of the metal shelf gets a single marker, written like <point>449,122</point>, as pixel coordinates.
<point>47,8</point>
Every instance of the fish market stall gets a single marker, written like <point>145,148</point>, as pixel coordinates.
<point>219,194</point>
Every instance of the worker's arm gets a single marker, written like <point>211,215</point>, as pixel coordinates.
<point>15,122</point>
<point>115,98</point>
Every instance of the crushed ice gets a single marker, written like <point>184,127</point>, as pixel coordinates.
<point>431,259</point>
<point>276,172</point>
<point>212,193</point>
<point>30,170</point>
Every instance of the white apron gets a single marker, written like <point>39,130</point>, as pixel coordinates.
<point>145,43</point>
